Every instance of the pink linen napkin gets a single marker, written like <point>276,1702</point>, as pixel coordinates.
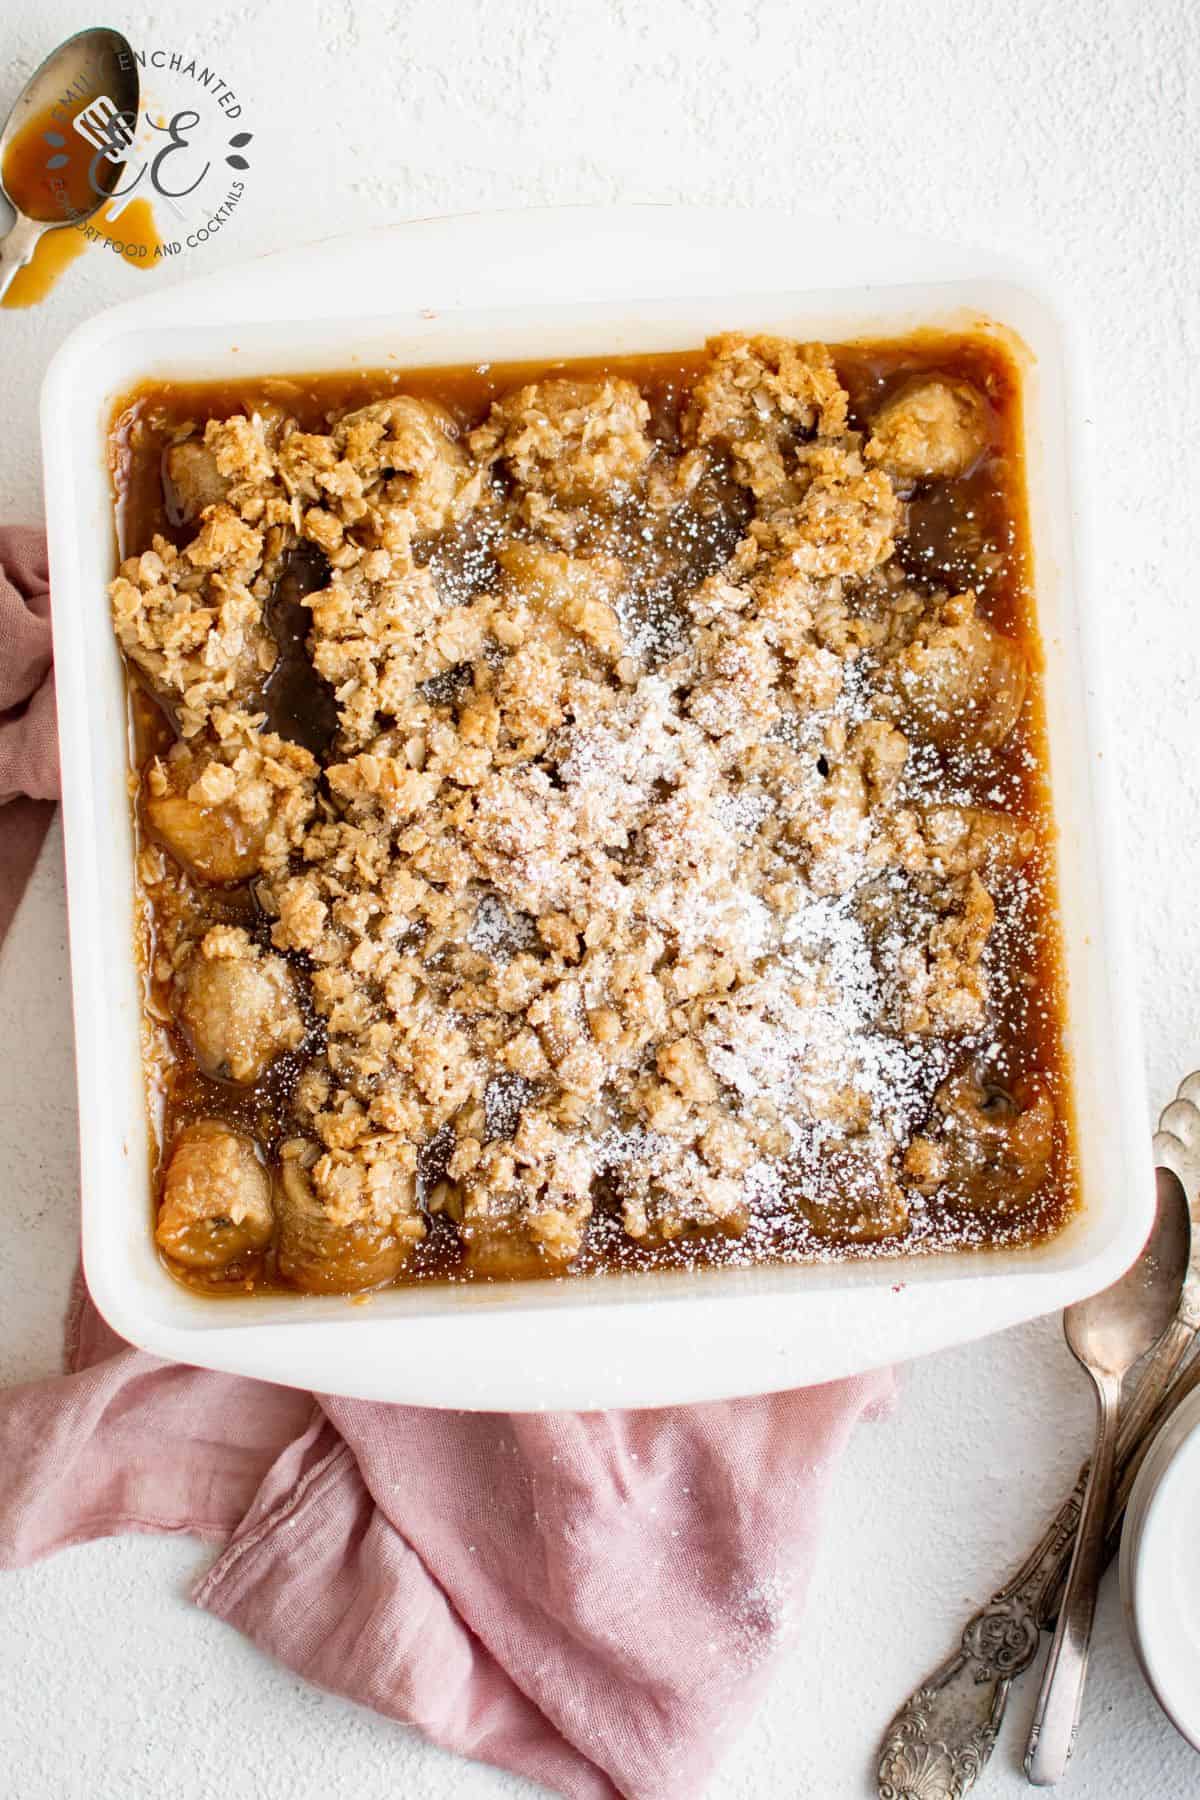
<point>28,740</point>
<point>591,1600</point>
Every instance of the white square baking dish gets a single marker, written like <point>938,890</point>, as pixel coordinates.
<point>547,284</point>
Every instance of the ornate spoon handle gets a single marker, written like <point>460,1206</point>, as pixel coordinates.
<point>939,1742</point>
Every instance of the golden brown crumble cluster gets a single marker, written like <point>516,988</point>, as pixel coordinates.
<point>615,895</point>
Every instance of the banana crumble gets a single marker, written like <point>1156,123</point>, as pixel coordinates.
<point>591,816</point>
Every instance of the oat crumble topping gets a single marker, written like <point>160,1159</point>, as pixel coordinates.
<point>639,891</point>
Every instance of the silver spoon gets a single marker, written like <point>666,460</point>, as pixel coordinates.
<point>950,1723</point>
<point>1107,1335</point>
<point>97,65</point>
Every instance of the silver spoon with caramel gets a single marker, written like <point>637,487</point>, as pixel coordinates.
<point>63,145</point>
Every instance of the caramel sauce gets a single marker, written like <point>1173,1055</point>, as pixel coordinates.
<point>58,249</point>
<point>969,532</point>
<point>49,193</point>
<point>61,198</point>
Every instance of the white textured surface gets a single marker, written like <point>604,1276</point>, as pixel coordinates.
<point>1067,134</point>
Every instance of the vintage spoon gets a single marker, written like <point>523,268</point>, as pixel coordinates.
<point>99,65</point>
<point>946,1730</point>
<point>1107,1335</point>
